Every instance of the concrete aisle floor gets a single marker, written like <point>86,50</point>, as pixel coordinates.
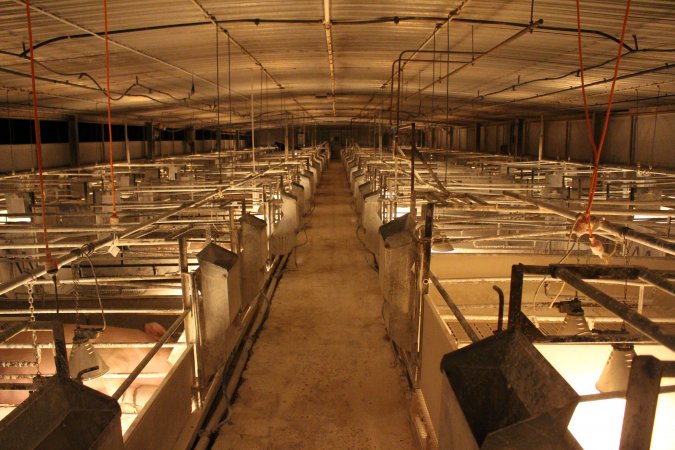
<point>322,374</point>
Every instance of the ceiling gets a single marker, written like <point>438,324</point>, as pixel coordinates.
<point>207,62</point>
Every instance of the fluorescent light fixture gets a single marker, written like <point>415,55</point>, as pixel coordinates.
<point>5,219</point>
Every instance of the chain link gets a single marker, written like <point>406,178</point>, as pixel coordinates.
<point>75,268</point>
<point>31,310</point>
<point>626,246</point>
<point>626,254</point>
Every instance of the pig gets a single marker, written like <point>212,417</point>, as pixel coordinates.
<point>118,360</point>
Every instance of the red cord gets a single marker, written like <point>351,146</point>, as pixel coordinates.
<point>38,146</point>
<point>113,217</point>
<point>597,149</point>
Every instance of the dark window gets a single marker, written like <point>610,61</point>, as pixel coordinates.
<point>98,132</point>
<point>136,133</point>
<point>202,135</point>
<point>20,131</point>
<point>172,135</point>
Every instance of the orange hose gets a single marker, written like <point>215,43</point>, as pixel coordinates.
<point>50,262</point>
<point>597,149</point>
<point>113,217</point>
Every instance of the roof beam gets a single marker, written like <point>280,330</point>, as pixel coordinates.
<point>329,47</point>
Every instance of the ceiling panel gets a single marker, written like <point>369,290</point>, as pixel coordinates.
<point>160,50</point>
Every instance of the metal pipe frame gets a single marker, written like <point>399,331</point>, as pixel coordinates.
<point>620,231</point>
<point>644,387</point>
<point>478,192</point>
<point>146,359</point>
<point>93,246</point>
<point>574,275</point>
<point>466,326</point>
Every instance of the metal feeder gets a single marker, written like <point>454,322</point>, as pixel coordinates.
<point>284,234</point>
<point>396,257</point>
<point>220,286</point>
<point>252,256</point>
<point>501,393</point>
<point>63,414</point>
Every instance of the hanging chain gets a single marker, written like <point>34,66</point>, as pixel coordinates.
<point>75,269</point>
<point>31,310</point>
<point>626,254</point>
<point>626,247</point>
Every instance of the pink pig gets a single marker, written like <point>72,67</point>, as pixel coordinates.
<point>119,361</point>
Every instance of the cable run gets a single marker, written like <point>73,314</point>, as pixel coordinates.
<point>597,148</point>
<point>51,266</point>
<point>114,219</point>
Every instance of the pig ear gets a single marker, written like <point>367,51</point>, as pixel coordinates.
<point>154,330</point>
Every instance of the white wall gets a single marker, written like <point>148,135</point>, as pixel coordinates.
<point>23,158</point>
<point>647,139</point>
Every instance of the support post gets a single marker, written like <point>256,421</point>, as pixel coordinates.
<point>379,134</point>
<point>73,141</point>
<point>641,397</point>
<point>150,140</point>
<point>127,151</point>
<point>425,266</point>
<point>413,150</point>
<point>192,328</point>
<point>515,295</point>
<point>286,141</point>
<point>541,138</point>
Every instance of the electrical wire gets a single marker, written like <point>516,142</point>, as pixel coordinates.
<point>597,148</point>
<point>98,292</point>
<point>562,260</point>
<point>114,219</point>
<point>50,262</point>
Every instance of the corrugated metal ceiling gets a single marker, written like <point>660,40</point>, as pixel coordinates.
<point>160,48</point>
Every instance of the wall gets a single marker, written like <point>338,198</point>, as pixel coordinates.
<point>21,157</point>
<point>647,139</point>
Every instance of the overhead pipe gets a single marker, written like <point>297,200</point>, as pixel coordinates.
<point>107,280</point>
<point>520,210</point>
<point>602,225</point>
<point>665,66</point>
<point>50,345</point>
<point>522,32</point>
<point>411,59</point>
<point>118,44</point>
<point>445,21</point>
<point>91,88</point>
<point>390,19</point>
<point>125,311</point>
<point>538,278</point>
<point>56,245</point>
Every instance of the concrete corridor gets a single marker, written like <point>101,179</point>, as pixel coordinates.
<point>322,374</point>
